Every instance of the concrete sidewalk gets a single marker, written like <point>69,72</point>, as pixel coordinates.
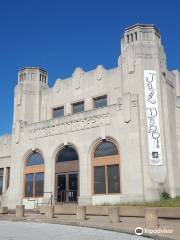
<point>126,225</point>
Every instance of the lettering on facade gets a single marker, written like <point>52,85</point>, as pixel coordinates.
<point>60,127</point>
<point>152,115</point>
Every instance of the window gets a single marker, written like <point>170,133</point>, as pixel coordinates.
<point>78,107</point>
<point>106,176</point>
<point>29,185</point>
<point>35,159</point>
<point>100,101</point>
<point>67,154</point>
<point>113,179</point>
<point>1,180</point>
<point>34,186</point>
<point>106,148</point>
<point>127,38</point>
<point>58,112</point>
<point>99,180</point>
<point>131,37</point>
<point>135,36</point>
<point>34,175</point>
<point>8,177</point>
<point>106,169</point>
<point>39,184</point>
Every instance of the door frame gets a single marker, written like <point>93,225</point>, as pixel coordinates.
<point>67,185</point>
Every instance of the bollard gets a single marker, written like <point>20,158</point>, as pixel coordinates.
<point>81,213</point>
<point>49,211</point>
<point>20,210</point>
<point>151,218</point>
<point>113,213</point>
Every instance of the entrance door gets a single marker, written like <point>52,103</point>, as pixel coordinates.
<point>61,185</point>
<point>73,187</point>
<point>67,187</point>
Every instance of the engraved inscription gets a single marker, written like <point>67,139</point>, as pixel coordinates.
<point>70,126</point>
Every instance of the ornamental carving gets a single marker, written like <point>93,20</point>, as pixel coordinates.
<point>99,72</point>
<point>77,77</point>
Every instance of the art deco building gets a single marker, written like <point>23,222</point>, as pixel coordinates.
<point>103,136</point>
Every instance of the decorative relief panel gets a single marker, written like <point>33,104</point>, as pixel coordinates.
<point>70,126</point>
<point>99,72</point>
<point>77,77</point>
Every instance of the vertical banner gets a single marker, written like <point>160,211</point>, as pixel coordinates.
<point>152,115</point>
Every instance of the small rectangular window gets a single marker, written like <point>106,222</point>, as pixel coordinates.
<point>8,177</point>
<point>1,180</point>
<point>100,101</point>
<point>58,112</point>
<point>136,36</point>
<point>99,180</point>
<point>78,107</point>
<point>113,179</point>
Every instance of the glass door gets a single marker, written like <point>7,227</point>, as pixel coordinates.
<point>73,187</point>
<point>61,188</point>
<point>67,187</point>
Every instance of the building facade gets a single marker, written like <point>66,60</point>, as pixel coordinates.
<point>103,136</point>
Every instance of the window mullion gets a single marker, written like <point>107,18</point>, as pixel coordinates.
<point>34,194</point>
<point>106,179</point>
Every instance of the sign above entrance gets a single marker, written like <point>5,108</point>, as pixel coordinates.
<point>57,126</point>
<point>152,115</point>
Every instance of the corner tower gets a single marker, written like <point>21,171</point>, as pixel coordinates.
<point>144,72</point>
<point>141,49</point>
<point>27,101</point>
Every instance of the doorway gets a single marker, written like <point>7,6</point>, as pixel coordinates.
<point>67,187</point>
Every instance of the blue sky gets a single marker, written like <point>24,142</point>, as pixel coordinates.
<point>60,35</point>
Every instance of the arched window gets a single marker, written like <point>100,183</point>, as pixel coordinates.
<point>106,171</point>
<point>105,148</point>
<point>34,159</point>
<point>68,153</point>
<point>34,175</point>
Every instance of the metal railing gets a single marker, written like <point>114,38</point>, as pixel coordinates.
<point>67,196</point>
<point>36,199</point>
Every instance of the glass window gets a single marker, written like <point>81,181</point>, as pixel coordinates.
<point>100,102</point>
<point>78,107</point>
<point>99,180</point>
<point>58,112</point>
<point>29,185</point>
<point>1,180</point>
<point>34,184</point>
<point>35,159</point>
<point>113,179</point>
<point>39,184</point>
<point>67,154</point>
<point>8,177</point>
<point>106,148</point>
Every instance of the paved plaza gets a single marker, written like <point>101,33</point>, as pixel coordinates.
<point>45,231</point>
